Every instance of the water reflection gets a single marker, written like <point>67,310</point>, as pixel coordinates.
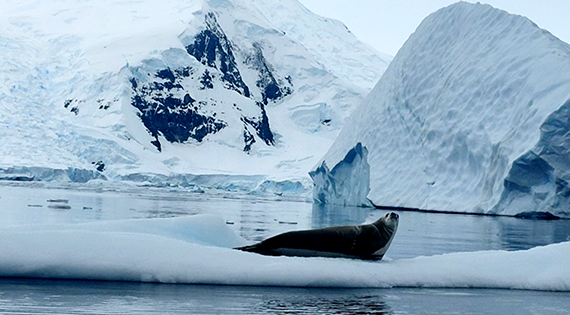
<point>263,219</point>
<point>368,304</point>
<point>517,234</point>
<point>33,296</point>
<point>433,234</point>
<point>330,215</point>
<point>418,233</point>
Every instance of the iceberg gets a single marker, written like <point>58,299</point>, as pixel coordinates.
<point>470,116</point>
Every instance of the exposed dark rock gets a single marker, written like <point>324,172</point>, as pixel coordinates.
<point>261,125</point>
<point>157,144</point>
<point>103,105</point>
<point>206,81</point>
<point>74,109</point>
<point>184,72</point>
<point>134,84</point>
<point>73,104</point>
<point>212,48</point>
<point>263,129</point>
<point>166,74</point>
<point>168,80</point>
<point>167,109</point>
<point>165,114</point>
<point>271,88</point>
<point>248,139</point>
<point>99,166</point>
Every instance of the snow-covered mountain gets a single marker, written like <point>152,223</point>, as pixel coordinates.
<point>471,116</point>
<point>147,90</point>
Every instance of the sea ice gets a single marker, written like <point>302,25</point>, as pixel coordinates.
<point>198,250</point>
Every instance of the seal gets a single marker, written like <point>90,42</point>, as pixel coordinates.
<point>368,241</point>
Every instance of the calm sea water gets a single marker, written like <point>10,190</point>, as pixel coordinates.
<point>254,219</point>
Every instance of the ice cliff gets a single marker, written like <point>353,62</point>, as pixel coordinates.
<point>471,116</point>
<point>128,89</point>
<point>348,183</point>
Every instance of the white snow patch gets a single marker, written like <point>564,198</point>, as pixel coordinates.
<point>329,40</point>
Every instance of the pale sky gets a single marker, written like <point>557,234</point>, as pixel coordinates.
<point>387,24</point>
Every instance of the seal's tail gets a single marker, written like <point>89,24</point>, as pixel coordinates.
<point>249,248</point>
<point>258,249</point>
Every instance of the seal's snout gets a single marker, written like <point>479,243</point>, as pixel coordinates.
<point>394,216</point>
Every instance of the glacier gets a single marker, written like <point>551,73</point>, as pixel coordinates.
<point>206,88</point>
<point>198,250</point>
<point>470,116</point>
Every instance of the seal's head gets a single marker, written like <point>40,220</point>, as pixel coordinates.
<point>391,220</point>
<point>387,226</point>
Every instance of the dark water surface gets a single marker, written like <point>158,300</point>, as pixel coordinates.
<point>418,234</point>
<point>30,296</point>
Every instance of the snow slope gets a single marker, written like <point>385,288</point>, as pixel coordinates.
<point>118,89</point>
<point>471,116</point>
<point>197,250</point>
<point>348,58</point>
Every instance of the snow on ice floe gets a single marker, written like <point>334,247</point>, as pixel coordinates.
<point>197,250</point>
<point>471,116</point>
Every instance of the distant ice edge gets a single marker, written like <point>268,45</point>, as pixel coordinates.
<point>347,184</point>
<point>32,173</point>
<point>255,185</point>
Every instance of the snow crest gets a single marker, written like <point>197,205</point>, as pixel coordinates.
<point>469,117</point>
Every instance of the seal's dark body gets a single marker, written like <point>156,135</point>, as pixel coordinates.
<point>360,241</point>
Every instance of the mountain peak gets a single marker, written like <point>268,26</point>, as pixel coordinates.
<point>176,87</point>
